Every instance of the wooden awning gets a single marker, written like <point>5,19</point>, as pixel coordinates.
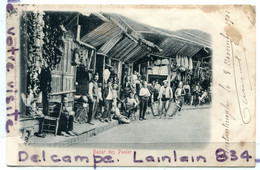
<point>126,40</point>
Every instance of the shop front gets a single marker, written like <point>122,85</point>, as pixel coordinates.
<point>110,46</point>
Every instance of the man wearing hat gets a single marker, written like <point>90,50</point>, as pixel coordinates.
<point>93,96</point>
<point>108,100</point>
<point>164,97</point>
<point>144,96</point>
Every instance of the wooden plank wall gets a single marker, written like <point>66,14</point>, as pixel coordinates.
<point>63,76</point>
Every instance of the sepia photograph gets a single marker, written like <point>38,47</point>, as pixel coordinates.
<point>106,72</point>
<point>130,85</point>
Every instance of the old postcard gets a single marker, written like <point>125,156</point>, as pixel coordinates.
<point>130,85</point>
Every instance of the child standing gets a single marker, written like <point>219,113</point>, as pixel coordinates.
<point>179,95</point>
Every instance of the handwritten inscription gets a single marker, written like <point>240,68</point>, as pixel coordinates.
<point>11,91</point>
<point>12,113</point>
<point>241,90</point>
<point>169,158</point>
<point>226,87</point>
<point>221,155</point>
<point>234,66</point>
<point>96,159</point>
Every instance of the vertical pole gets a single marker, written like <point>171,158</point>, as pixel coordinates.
<point>130,69</point>
<point>148,65</point>
<point>169,72</point>
<point>119,71</point>
<point>109,61</point>
<point>104,67</point>
<point>95,55</point>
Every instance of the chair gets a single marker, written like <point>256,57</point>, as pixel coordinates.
<point>51,121</point>
<point>81,111</point>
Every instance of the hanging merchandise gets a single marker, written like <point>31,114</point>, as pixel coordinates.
<point>35,40</point>
<point>174,74</point>
<point>45,37</point>
<point>182,61</point>
<point>186,63</point>
<point>165,62</point>
<point>190,63</point>
<point>156,62</point>
<point>178,60</point>
<point>75,57</point>
<point>84,57</point>
<point>182,68</point>
<point>90,62</point>
<point>173,63</point>
<point>106,75</point>
<point>188,78</point>
<point>179,76</point>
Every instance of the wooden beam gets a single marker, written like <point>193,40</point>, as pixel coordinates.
<point>80,42</point>
<point>63,92</point>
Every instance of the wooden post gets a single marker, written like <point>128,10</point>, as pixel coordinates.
<point>169,73</point>
<point>130,69</point>
<point>109,61</point>
<point>119,71</point>
<point>148,65</point>
<point>94,55</point>
<point>104,67</point>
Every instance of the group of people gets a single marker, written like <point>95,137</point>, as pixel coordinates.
<point>197,93</point>
<point>105,103</point>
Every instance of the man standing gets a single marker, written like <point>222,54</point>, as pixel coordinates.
<point>108,100</point>
<point>157,88</point>
<point>93,96</point>
<point>179,95</point>
<point>144,97</point>
<point>151,98</point>
<point>165,95</point>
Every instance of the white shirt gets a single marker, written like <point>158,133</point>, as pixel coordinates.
<point>99,93</point>
<point>144,92</point>
<point>134,78</point>
<point>131,102</point>
<point>168,92</point>
<point>114,94</point>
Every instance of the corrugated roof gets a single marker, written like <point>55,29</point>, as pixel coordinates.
<point>184,42</point>
<point>124,39</point>
<point>137,54</point>
<point>189,50</point>
<point>195,36</point>
<point>102,34</point>
<point>120,48</point>
<point>110,44</point>
<point>171,47</point>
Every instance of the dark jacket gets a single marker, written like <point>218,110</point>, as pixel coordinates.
<point>105,92</point>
